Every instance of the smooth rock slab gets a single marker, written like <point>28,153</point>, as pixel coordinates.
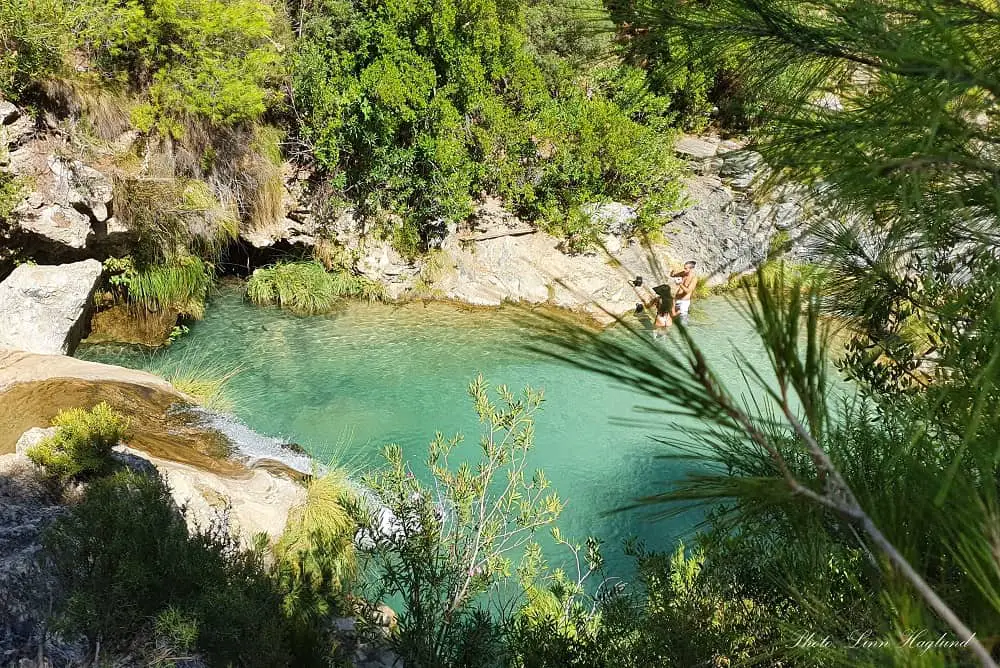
<point>698,148</point>
<point>43,308</point>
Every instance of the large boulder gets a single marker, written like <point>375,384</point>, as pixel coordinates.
<point>613,217</point>
<point>55,224</point>
<point>43,309</point>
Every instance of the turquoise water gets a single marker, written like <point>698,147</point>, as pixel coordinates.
<point>344,385</point>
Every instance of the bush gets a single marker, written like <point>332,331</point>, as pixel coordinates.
<point>214,60</point>
<point>306,288</point>
<point>315,559</point>
<point>419,107</point>
<point>141,566</point>
<point>81,446</point>
<point>445,549</point>
<point>34,36</point>
<point>12,191</point>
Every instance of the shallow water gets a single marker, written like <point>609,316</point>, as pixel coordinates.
<point>344,385</point>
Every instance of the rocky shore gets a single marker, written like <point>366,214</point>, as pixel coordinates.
<point>727,224</point>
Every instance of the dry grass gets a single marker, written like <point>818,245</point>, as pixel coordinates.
<point>173,217</point>
<point>105,111</point>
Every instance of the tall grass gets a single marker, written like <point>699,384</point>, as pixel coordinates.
<point>316,558</point>
<point>307,288</point>
<point>182,285</point>
<point>173,217</point>
<point>202,378</point>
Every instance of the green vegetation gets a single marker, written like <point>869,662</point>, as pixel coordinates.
<point>316,561</point>
<point>454,541</point>
<point>11,192</point>
<point>181,286</point>
<point>200,377</point>
<point>306,288</point>
<point>214,61</point>
<point>418,107</point>
<point>81,446</point>
<point>145,570</point>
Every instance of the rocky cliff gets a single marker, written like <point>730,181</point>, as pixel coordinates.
<point>728,225</point>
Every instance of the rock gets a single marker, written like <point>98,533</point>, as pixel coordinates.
<point>698,148</point>
<point>437,231</point>
<point>14,134</point>
<point>729,145</point>
<point>292,231</point>
<point>56,223</point>
<point>611,243</point>
<point>829,102</point>
<point>614,217</point>
<point>741,167</point>
<point>8,113</point>
<point>27,585</point>
<point>81,186</point>
<point>43,308</point>
<point>33,437</point>
<point>345,624</point>
<point>258,501</point>
<point>490,215</point>
<point>381,262</point>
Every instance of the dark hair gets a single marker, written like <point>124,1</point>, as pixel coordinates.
<point>638,281</point>
<point>692,263</point>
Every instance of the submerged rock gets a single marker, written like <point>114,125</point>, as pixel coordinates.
<point>43,309</point>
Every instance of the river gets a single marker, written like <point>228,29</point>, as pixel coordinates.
<point>345,384</point>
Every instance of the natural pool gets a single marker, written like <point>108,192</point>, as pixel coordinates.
<point>344,385</point>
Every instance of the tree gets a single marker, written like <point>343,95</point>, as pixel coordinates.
<point>887,110</point>
<point>413,109</point>
<point>441,548</point>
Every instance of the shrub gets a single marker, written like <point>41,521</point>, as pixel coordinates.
<point>34,36</point>
<point>81,446</point>
<point>444,550</point>
<point>11,192</point>
<point>142,565</point>
<point>315,559</point>
<point>419,107</point>
<point>306,288</point>
<point>217,60</point>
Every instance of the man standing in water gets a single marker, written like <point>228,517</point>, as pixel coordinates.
<point>682,298</point>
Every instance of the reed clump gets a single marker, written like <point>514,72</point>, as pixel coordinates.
<point>306,288</point>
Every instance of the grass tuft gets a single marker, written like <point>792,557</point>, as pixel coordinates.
<point>316,557</point>
<point>307,288</point>
<point>182,285</point>
<point>203,379</point>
